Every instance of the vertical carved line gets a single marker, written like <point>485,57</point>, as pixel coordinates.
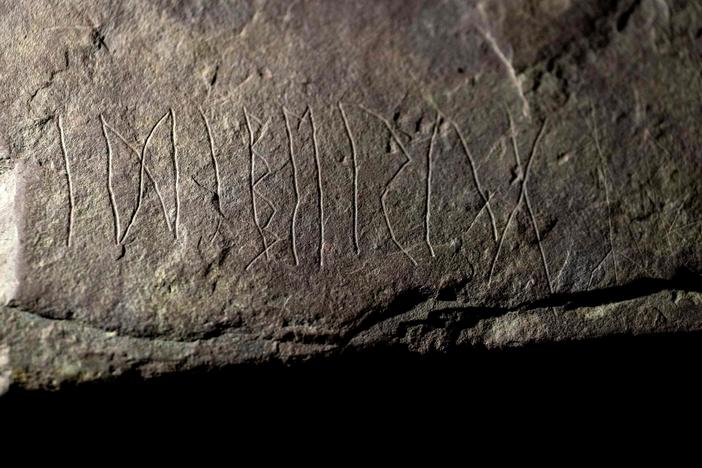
<point>252,183</point>
<point>176,174</point>
<point>354,160</point>
<point>110,189</point>
<point>320,190</point>
<point>69,182</point>
<point>427,207</point>
<point>605,181</point>
<point>215,164</point>
<point>293,230</point>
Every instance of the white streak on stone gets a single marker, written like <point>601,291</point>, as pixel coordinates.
<point>5,373</point>
<point>9,235</point>
<point>516,81</point>
<point>511,72</point>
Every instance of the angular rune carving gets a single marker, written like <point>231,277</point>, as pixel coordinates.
<point>254,137</point>
<point>144,172</point>
<point>386,191</point>
<point>264,211</point>
<point>523,198</point>
<point>320,188</point>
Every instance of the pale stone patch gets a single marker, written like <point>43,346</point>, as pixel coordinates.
<point>514,328</point>
<point>5,373</point>
<point>9,235</point>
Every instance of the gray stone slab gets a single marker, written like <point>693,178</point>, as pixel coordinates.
<point>203,184</point>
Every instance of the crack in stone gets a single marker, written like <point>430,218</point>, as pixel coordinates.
<point>637,289</point>
<point>448,317</point>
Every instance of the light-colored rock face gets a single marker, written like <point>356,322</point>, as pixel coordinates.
<point>219,182</point>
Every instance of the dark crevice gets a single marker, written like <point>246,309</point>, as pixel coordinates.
<point>624,18</point>
<point>456,317</point>
<point>213,79</point>
<point>309,338</point>
<point>639,288</point>
<point>220,329</point>
<point>403,303</point>
<point>98,39</point>
<point>459,318</point>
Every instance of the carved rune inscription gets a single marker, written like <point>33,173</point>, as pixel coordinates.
<point>312,172</point>
<point>264,210</point>
<point>337,190</point>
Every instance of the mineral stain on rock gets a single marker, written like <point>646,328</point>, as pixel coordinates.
<point>205,184</point>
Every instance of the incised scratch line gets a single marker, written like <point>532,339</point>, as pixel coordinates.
<point>110,190</point>
<point>538,239</point>
<point>476,180</point>
<point>261,254</point>
<point>176,174</point>
<point>69,182</point>
<point>522,194</point>
<point>148,172</point>
<point>427,206</point>
<point>296,186</point>
<point>252,167</point>
<point>599,265</point>
<point>354,160</point>
<point>402,167</point>
<point>141,177</point>
<point>320,190</point>
<point>530,211</point>
<point>253,182</point>
<point>605,180</point>
<point>215,164</point>
<point>477,215</point>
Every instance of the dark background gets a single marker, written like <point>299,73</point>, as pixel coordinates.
<point>617,369</point>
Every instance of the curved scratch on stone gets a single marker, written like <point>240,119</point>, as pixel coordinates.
<point>296,186</point>
<point>320,190</point>
<point>397,173</point>
<point>538,239</point>
<point>69,182</point>
<point>148,174</point>
<point>215,164</point>
<point>522,194</point>
<point>354,160</point>
<point>110,190</point>
<point>427,207</point>
<point>480,211</point>
<point>253,182</point>
<point>261,254</point>
<point>142,170</point>
<point>476,180</point>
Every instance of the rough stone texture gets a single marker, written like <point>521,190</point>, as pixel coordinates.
<point>209,183</point>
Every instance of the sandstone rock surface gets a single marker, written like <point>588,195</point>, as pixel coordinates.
<point>201,184</point>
